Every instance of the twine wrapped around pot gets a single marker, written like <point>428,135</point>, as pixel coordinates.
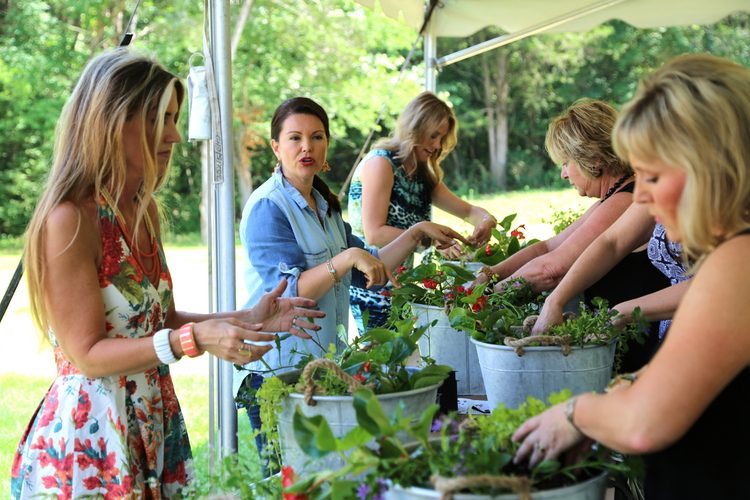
<point>528,323</point>
<point>558,340</point>
<point>311,386</point>
<point>447,486</point>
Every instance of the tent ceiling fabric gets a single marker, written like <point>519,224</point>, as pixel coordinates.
<point>460,18</point>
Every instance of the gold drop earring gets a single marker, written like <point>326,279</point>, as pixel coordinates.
<point>326,167</point>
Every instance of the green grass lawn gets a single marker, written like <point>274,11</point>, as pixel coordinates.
<point>22,387</point>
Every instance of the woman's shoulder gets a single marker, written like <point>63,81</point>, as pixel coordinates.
<point>383,157</point>
<point>69,222</point>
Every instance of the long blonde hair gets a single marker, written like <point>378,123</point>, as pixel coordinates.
<point>89,159</point>
<point>694,114</point>
<point>424,113</point>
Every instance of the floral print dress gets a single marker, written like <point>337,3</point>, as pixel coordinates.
<point>116,436</point>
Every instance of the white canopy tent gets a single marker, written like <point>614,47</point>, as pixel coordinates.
<point>450,18</point>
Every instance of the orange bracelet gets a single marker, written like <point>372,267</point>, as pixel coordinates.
<point>187,341</point>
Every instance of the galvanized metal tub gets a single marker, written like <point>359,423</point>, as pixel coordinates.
<point>341,417</point>
<point>510,378</point>
<point>451,347</point>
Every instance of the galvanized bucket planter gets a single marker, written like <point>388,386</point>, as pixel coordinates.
<point>451,347</point>
<point>341,417</point>
<point>510,374</point>
<point>592,489</point>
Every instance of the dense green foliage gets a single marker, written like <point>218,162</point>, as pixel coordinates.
<point>337,52</point>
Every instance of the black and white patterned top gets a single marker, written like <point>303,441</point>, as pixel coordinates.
<point>665,255</point>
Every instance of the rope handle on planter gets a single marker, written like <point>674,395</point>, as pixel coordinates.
<point>558,340</point>
<point>311,386</point>
<point>447,486</point>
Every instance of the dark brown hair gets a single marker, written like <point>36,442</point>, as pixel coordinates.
<point>306,106</point>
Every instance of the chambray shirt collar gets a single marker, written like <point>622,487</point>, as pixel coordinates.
<point>297,197</point>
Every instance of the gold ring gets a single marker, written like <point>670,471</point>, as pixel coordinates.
<point>242,349</point>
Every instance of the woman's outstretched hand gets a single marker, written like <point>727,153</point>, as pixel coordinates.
<point>546,436</point>
<point>275,313</point>
<point>443,237</point>
<point>374,269</point>
<point>483,231</point>
<point>549,316</point>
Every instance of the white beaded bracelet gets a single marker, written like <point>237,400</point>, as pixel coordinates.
<point>163,348</point>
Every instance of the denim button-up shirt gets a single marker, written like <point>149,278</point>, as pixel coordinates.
<point>282,237</point>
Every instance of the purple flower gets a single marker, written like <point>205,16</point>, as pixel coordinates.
<point>363,490</point>
<point>382,485</point>
<point>437,424</point>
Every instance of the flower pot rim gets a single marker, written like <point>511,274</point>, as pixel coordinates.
<point>541,348</point>
<point>470,496</point>
<point>428,306</point>
<point>390,395</point>
<point>295,374</point>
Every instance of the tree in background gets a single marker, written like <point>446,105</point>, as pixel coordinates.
<point>339,53</point>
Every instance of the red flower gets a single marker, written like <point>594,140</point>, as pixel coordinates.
<point>517,233</point>
<point>460,289</point>
<point>386,293</point>
<point>479,304</point>
<point>366,367</point>
<point>287,480</point>
<point>400,269</point>
<point>359,377</point>
<point>450,296</point>
<point>488,249</point>
<point>429,283</point>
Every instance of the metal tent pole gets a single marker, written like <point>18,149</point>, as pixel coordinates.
<point>223,186</point>
<point>430,60</point>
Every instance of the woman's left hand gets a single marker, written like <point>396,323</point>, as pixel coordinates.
<point>546,436</point>
<point>483,231</point>
<point>453,252</point>
<point>285,314</point>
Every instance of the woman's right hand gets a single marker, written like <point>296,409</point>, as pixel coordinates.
<point>374,269</point>
<point>550,315</point>
<point>225,339</point>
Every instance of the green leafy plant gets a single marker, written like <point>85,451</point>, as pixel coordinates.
<point>491,318</point>
<point>561,219</point>
<point>431,283</point>
<point>376,360</point>
<point>504,243</point>
<point>447,447</point>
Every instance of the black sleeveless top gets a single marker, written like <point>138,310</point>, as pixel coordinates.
<point>712,460</point>
<point>634,276</point>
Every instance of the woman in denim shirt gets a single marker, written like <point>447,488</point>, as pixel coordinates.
<point>292,229</point>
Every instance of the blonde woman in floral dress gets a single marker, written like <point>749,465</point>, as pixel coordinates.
<point>110,425</point>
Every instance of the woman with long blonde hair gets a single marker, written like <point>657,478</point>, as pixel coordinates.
<point>396,184</point>
<point>110,424</point>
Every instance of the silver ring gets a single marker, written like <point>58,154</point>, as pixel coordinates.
<point>294,321</point>
<point>541,449</point>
